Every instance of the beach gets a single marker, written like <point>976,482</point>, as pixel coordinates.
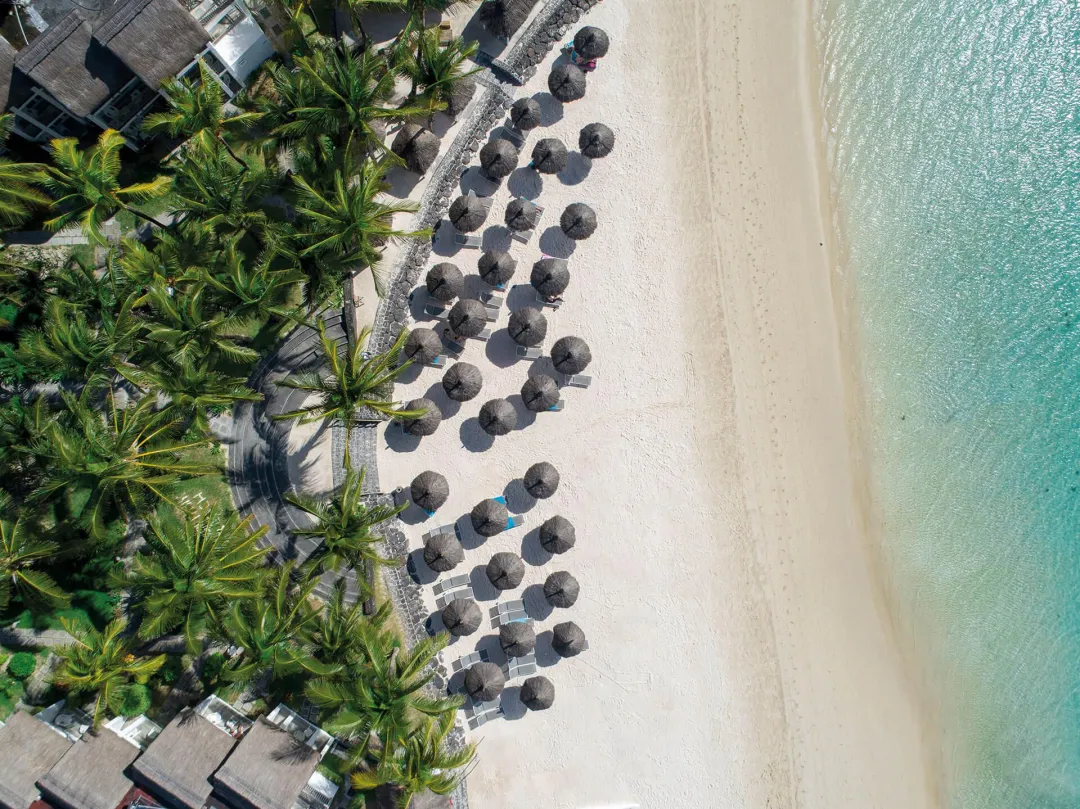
<point>742,643</point>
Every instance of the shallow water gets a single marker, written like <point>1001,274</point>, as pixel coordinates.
<point>954,146</point>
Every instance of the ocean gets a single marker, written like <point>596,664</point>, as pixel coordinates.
<point>953,141</point>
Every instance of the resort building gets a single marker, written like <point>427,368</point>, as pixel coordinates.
<point>29,749</point>
<point>90,775</point>
<point>81,74</point>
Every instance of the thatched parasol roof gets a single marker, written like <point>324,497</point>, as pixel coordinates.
<point>561,589</point>
<point>528,326</point>
<point>489,517</point>
<point>425,424</point>
<point>596,140</point>
<point>461,94</point>
<point>540,393</point>
<point>499,157</point>
<point>557,535</point>
<point>484,681</point>
<point>549,156</point>
<point>538,693</point>
<point>429,490</point>
<point>568,639</point>
<point>496,267</point>
<point>504,17</point>
<point>522,214</point>
<point>462,381</point>
<point>498,417</point>
<point>468,213</point>
<point>570,355</point>
<point>591,42</point>
<point>541,480</point>
<point>468,317</point>
<point>517,638</point>
<point>525,114</point>
<point>578,221</point>
<point>567,82</point>
<point>505,570</point>
<point>550,276</point>
<point>417,146</point>
<point>443,552</point>
<point>445,282</point>
<point>462,617</point>
<point>422,345</point>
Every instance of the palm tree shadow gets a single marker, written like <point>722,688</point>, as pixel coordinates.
<point>555,243</point>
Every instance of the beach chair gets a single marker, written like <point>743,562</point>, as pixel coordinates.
<point>559,405</point>
<point>500,499</point>
<point>540,299</point>
<point>474,242</point>
<point>477,715</point>
<point>577,381</point>
<point>452,345</point>
<point>446,33</point>
<point>533,353</point>
<point>492,313</point>
<point>508,612</point>
<point>442,529</point>
<point>449,584</point>
<point>485,335</point>
<point>435,310</point>
<point>439,361</point>
<point>514,135</point>
<point>520,666</point>
<point>560,263</point>
<point>515,521</point>
<point>523,236</point>
<point>454,595</point>
<point>493,299</point>
<point>466,661</point>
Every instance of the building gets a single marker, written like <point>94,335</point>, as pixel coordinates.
<point>30,749</point>
<point>81,74</point>
<point>90,775</point>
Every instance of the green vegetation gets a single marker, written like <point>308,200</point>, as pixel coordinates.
<point>21,665</point>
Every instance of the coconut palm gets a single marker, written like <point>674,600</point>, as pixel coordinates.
<point>435,68</point>
<point>196,110</point>
<point>98,294</point>
<point>19,196</point>
<point>24,283</point>
<point>421,762</point>
<point>20,553</point>
<point>188,335</point>
<point>251,289</point>
<point>87,187</point>
<point>355,383</point>
<point>193,393</point>
<point>339,638</point>
<point>193,568</point>
<point>343,527</point>
<point>175,258</point>
<point>101,664</point>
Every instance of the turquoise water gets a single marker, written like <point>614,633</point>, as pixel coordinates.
<point>954,145</point>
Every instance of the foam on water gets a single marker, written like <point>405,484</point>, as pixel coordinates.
<point>954,146</point>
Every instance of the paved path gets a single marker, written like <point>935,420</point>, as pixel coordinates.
<point>34,638</point>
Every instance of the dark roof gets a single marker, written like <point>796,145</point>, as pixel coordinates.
<point>66,62</point>
<point>91,773</point>
<point>504,17</point>
<point>29,748</point>
<point>155,38</point>
<point>182,758</point>
<point>267,770</point>
<point>7,65</point>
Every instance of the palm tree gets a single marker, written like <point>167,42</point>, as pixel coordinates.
<point>101,664</point>
<point>193,569</point>
<point>193,392</point>
<point>422,762</point>
<point>117,463</point>
<point>20,552</point>
<point>188,335</point>
<point>177,256</point>
<point>25,285</point>
<point>338,640</point>
<point>343,527</point>
<point>436,68</point>
<point>251,289</point>
<point>87,185</point>
<point>349,220</point>
<point>356,383</point>
<point>196,110</point>
<point>18,195</point>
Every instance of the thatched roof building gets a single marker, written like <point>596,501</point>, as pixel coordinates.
<point>28,750</point>
<point>267,770</point>
<point>156,39</point>
<point>7,67</point>
<point>91,774</point>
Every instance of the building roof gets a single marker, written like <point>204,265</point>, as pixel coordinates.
<point>155,38</point>
<point>29,748</point>
<point>7,65</point>
<point>182,758</point>
<point>268,769</point>
<point>91,773</point>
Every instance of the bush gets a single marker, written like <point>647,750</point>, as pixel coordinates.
<point>134,700</point>
<point>211,667</point>
<point>21,665</point>
<point>171,671</point>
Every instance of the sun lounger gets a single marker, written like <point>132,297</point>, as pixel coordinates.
<point>523,236</point>
<point>439,361</point>
<point>540,299</point>
<point>509,612</point>
<point>533,353</point>
<point>485,335</point>
<point>492,313</point>
<point>577,381</point>
<point>515,521</point>
<point>442,529</point>
<point>469,660</point>
<point>469,241</point>
<point>493,299</point>
<point>434,310</point>
<point>454,595</point>
<point>520,666</point>
<point>559,405</point>
<point>477,715</point>
<point>450,584</point>
<point>452,345</point>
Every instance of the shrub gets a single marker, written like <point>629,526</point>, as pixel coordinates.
<point>21,665</point>
<point>211,667</point>
<point>171,671</point>
<point>135,700</point>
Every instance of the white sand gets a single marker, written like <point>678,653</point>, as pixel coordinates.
<point>310,456</point>
<point>740,645</point>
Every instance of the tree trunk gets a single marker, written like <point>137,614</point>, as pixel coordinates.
<point>145,217</point>
<point>232,154</point>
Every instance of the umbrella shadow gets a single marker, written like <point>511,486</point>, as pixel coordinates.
<point>521,295</point>
<point>402,182</point>
<point>525,417</point>
<point>434,625</point>
<point>555,243</point>
<point>447,406</point>
<point>410,374</point>
<point>501,350</point>
<point>577,169</point>
<point>546,656</point>
<point>418,569</point>
<point>498,237</point>
<point>466,534</point>
<point>518,500</point>
<point>532,551</point>
<point>551,109</point>
<point>513,708</point>
<point>443,243</point>
<point>525,183</point>
<point>441,123</point>
<point>400,441</point>
<point>483,589</point>
<point>535,604</point>
<point>473,179</point>
<point>473,437</point>
<point>413,515</point>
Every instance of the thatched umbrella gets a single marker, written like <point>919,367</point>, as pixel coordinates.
<point>578,221</point>
<point>499,157</point>
<point>561,589</point>
<point>443,552</point>
<point>540,393</point>
<point>462,617</point>
<point>498,417</point>
<point>525,114</point>
<point>462,381</point>
<point>461,93</point>
<point>591,42</point>
<point>549,156</point>
<point>505,570</point>
<point>429,490</point>
<point>570,355</point>
<point>528,326</point>
<point>489,517</point>
<point>557,535</point>
<point>550,276</point>
<point>522,214</point>
<point>468,317</point>
<point>425,424</point>
<point>422,345</point>
<point>445,282</point>
<point>567,82</point>
<point>484,681</point>
<point>568,639</point>
<point>467,213</point>
<point>496,267</point>
<point>541,480</point>
<point>596,140</point>
<point>538,693</point>
<point>417,146</point>
<point>517,638</point>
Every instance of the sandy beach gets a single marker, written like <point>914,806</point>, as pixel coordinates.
<point>741,647</point>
